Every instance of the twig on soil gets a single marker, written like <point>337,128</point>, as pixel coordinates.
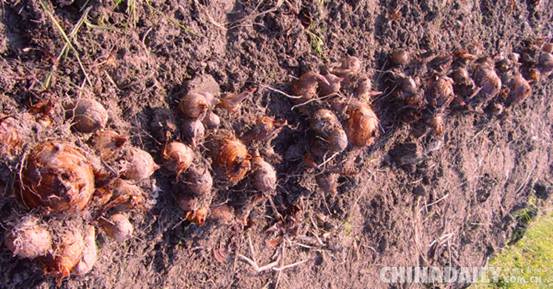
<point>313,99</point>
<point>66,38</point>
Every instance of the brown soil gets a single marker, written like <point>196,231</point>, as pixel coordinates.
<point>449,204</point>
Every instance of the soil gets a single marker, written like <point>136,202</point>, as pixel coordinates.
<point>407,200</point>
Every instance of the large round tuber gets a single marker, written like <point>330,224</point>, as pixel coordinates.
<point>29,239</point>
<point>57,177</point>
<point>87,115</point>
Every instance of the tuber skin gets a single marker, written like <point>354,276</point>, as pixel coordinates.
<point>328,183</point>
<point>437,124</point>
<point>29,239</point>
<point>193,131</point>
<point>195,194</point>
<point>331,86</point>
<point>348,67</point>
<point>193,106</point>
<point>362,125</point>
<point>265,130</point>
<point>199,180</point>
<point>223,214</point>
<point>56,177</point>
<point>545,63</point>
<point>90,252</point>
<point>139,165</point>
<point>230,156</point>
<point>118,227</point>
<point>178,157</point>
<point>88,115</point>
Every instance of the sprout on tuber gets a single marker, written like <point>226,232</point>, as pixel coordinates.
<point>57,177</point>
<point>122,196</point>
<point>306,87</point>
<point>232,101</point>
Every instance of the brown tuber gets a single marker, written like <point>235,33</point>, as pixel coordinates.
<point>399,57</point>
<point>519,88</point>
<point>163,124</point>
<point>108,143</point>
<point>118,227</point>
<point>545,63</point>
<point>437,124</point>
<point>362,125</point>
<point>139,165</point>
<point>193,131</point>
<point>10,136</point>
<point>90,252</point>
<point>265,130</point>
<point>487,81</point>
<point>264,178</point>
<point>329,136</point>
<point>307,86</point>
<point>29,239</point>
<point>199,180</point>
<point>88,115</point>
<point>122,195</point>
<point>223,214</point>
<point>348,67</point>
<point>211,121</point>
<point>230,157</point>
<point>194,106</point>
<point>57,177</point>
<point>440,93</point>
<point>178,157</point>
<point>68,252</point>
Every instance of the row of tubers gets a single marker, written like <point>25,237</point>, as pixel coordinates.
<point>68,191</point>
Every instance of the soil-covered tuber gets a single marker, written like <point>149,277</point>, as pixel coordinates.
<point>87,115</point>
<point>29,238</point>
